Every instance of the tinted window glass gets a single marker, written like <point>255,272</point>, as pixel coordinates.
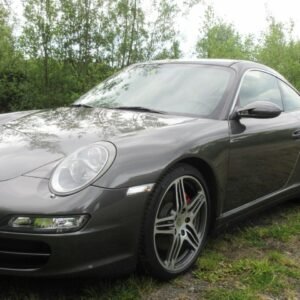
<point>175,88</point>
<point>291,100</point>
<point>260,86</point>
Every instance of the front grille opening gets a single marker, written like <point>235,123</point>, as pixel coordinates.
<point>23,254</point>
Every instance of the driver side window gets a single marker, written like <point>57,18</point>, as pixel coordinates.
<point>259,86</point>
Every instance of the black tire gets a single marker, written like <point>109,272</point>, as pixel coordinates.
<point>151,257</point>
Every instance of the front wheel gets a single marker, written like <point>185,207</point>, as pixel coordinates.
<point>176,223</point>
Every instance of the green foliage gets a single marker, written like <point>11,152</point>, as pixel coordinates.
<point>231,294</point>
<point>12,77</point>
<point>57,39</point>
<point>162,35</point>
<point>241,267</point>
<point>279,50</point>
<point>277,47</point>
<point>6,41</point>
<point>67,47</point>
<point>221,40</point>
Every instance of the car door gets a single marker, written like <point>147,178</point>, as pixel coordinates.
<point>291,103</point>
<point>263,152</point>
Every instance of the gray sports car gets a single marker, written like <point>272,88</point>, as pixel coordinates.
<point>142,167</point>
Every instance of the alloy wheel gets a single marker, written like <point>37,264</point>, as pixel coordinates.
<point>180,223</point>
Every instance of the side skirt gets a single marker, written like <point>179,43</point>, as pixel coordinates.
<point>241,212</point>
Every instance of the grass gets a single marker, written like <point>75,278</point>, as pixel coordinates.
<point>257,259</point>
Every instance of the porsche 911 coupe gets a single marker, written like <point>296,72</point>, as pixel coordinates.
<point>140,169</point>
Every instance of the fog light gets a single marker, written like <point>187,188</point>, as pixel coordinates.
<point>53,224</point>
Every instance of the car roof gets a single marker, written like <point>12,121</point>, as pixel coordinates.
<point>219,62</point>
<point>239,65</point>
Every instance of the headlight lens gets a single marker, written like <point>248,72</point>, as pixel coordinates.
<point>82,167</point>
<point>59,224</point>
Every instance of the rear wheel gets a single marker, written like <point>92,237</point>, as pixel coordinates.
<point>176,223</point>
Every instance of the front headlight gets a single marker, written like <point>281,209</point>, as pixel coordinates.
<point>82,167</point>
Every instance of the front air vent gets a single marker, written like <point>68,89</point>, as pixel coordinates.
<point>23,254</point>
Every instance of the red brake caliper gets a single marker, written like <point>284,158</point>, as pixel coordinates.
<point>187,198</point>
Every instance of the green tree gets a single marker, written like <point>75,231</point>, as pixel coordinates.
<point>122,43</point>
<point>76,28</point>
<point>221,40</point>
<point>279,49</point>
<point>162,41</point>
<point>59,43</point>
<point>39,32</point>
<point>68,46</point>
<point>135,36</point>
<point>6,38</point>
<point>12,78</point>
<point>173,53</point>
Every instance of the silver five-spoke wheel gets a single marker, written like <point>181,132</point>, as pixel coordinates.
<point>180,223</point>
<point>176,222</point>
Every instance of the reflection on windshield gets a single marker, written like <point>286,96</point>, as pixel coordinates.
<point>174,88</point>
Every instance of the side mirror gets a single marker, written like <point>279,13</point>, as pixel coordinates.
<point>260,110</point>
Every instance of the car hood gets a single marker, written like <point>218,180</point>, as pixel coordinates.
<point>42,137</point>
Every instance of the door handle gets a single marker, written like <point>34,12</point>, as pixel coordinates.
<point>296,134</point>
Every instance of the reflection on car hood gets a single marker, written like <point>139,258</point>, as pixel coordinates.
<point>5,118</point>
<point>37,139</point>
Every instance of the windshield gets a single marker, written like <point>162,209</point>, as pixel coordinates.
<point>171,88</point>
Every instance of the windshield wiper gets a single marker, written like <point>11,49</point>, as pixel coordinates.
<point>82,105</point>
<point>139,108</point>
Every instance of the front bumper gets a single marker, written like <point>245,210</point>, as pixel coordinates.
<point>108,242</point>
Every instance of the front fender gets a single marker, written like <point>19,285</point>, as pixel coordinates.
<point>142,158</point>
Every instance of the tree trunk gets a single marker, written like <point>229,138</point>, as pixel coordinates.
<point>124,44</point>
<point>132,33</point>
